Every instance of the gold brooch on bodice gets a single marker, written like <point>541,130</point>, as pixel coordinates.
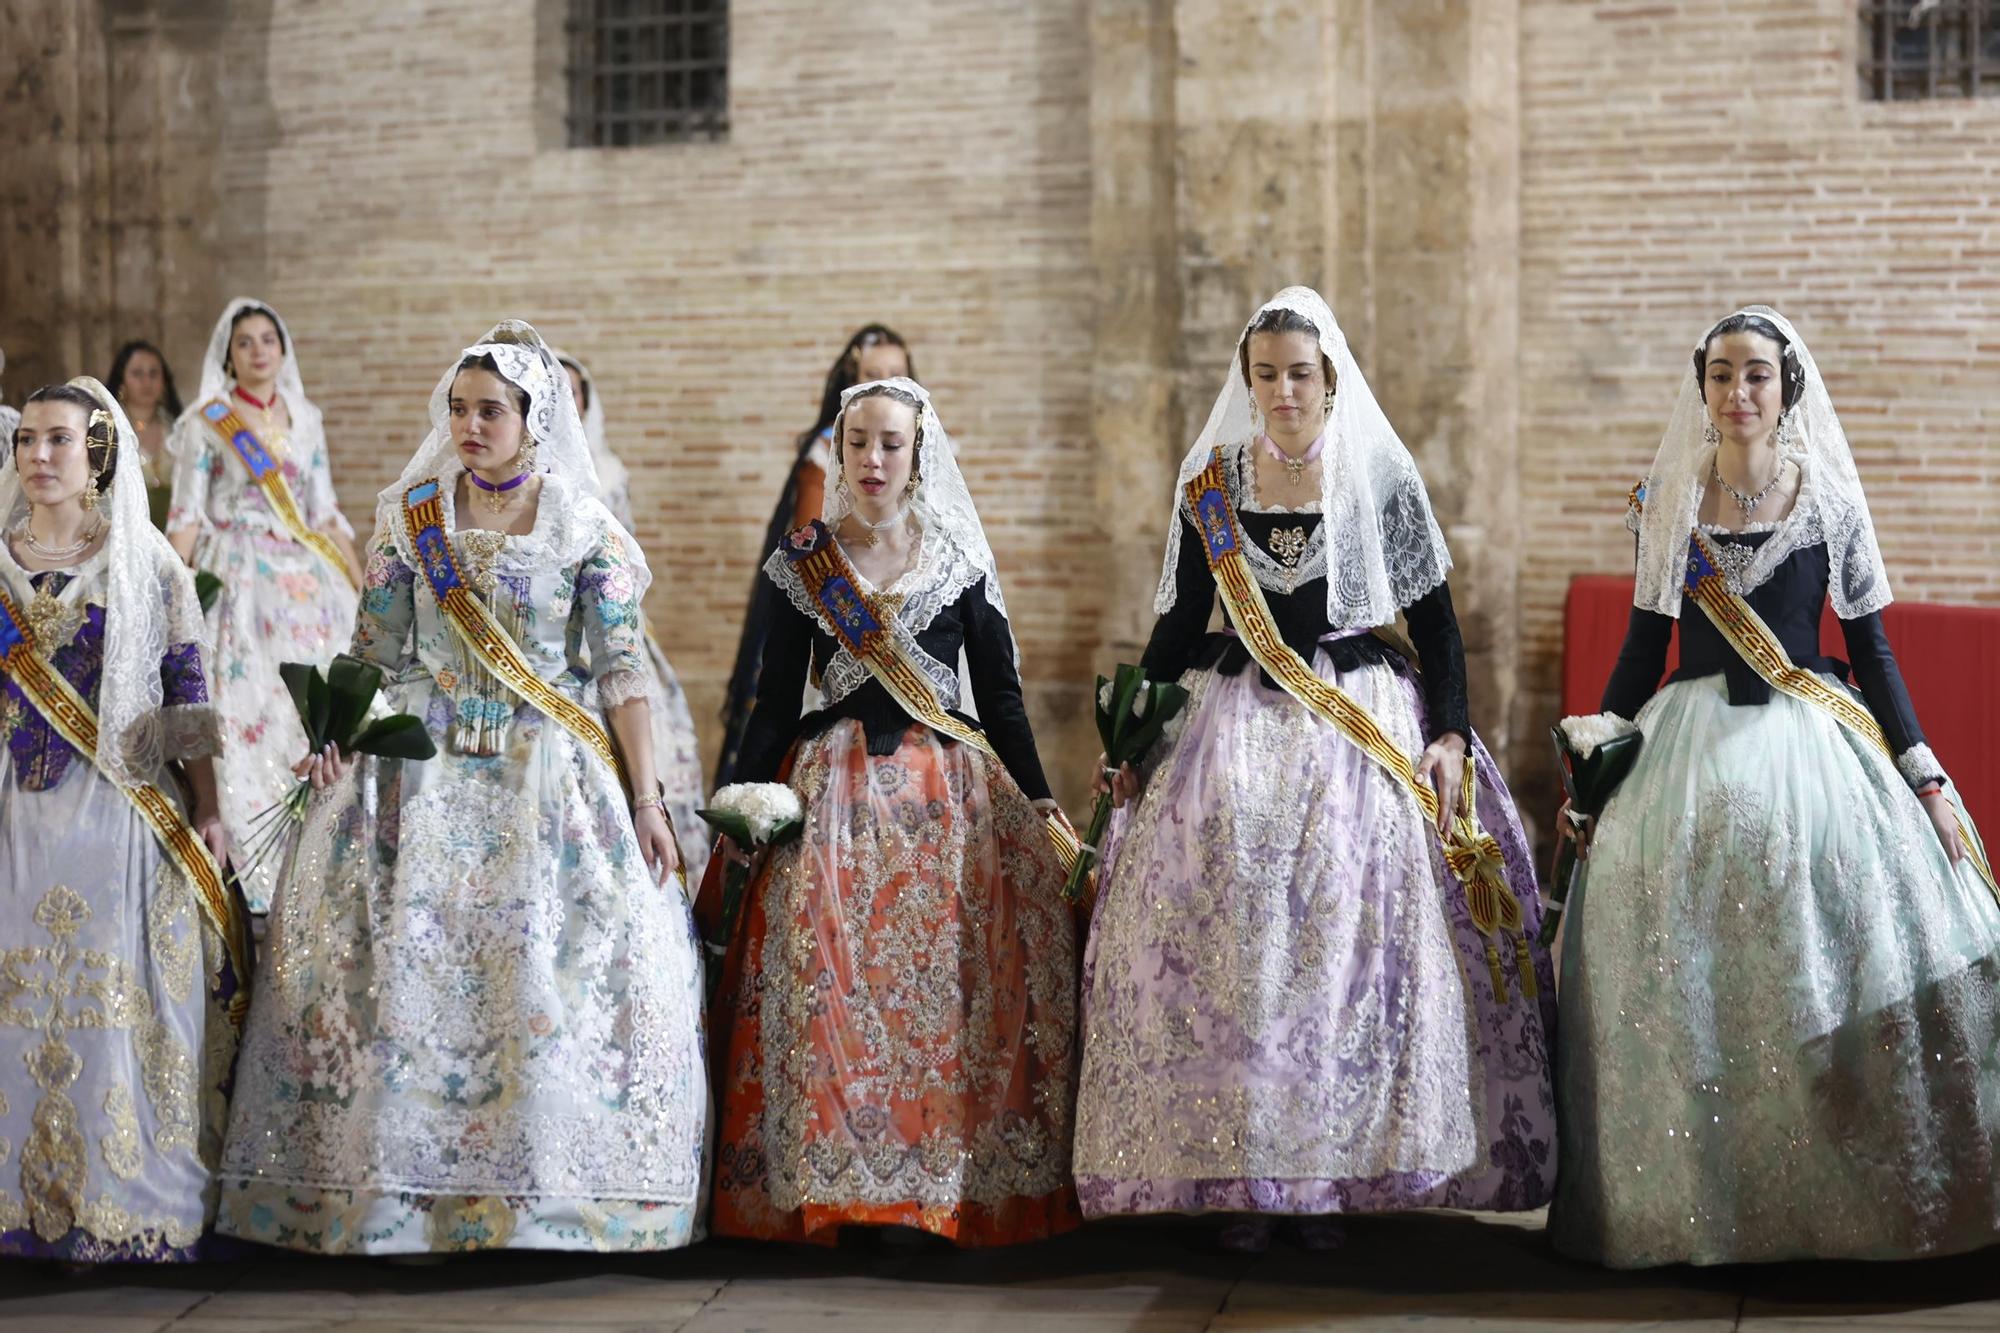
<point>53,622</point>
<point>482,547</point>
<point>1289,545</point>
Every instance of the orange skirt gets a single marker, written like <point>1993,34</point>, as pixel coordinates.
<point>896,1029</point>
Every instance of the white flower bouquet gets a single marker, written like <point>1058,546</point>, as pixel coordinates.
<point>754,815</point>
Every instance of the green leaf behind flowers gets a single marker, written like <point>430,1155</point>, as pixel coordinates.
<point>351,684</point>
<point>207,588</point>
<point>303,679</point>
<point>403,736</point>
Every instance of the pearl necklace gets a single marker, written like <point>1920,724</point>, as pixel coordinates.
<point>24,533</point>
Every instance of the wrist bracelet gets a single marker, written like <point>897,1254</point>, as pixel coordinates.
<point>657,801</point>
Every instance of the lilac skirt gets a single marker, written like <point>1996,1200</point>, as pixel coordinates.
<point>1286,1006</point>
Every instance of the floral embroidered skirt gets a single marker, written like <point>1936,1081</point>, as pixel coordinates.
<point>896,1041</point>
<point>1780,1007</point>
<point>279,603</point>
<point>1286,1006</point>
<point>115,1045</point>
<point>479,1020</point>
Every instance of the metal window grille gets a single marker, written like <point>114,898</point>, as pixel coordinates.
<point>1929,48</point>
<point>647,71</point>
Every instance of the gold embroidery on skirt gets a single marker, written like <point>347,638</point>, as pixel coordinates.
<point>121,1145</point>
<point>174,954</point>
<point>53,1158</point>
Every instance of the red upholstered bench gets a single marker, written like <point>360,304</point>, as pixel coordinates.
<point>1950,657</point>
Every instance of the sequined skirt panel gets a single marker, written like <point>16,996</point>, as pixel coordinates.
<point>1286,1006</point>
<point>1779,1029</point>
<point>279,603</point>
<point>478,1022</point>
<point>113,1060</point>
<point>901,1004</point>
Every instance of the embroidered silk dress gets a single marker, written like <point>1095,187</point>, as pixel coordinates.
<point>1781,1003</point>
<point>279,602</point>
<point>481,1020</point>
<point>676,747</point>
<point>896,1043</point>
<point>115,1045</point>
<point>1286,1006</point>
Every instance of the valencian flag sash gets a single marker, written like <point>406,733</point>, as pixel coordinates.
<point>1472,854</point>
<point>264,470</point>
<point>76,722</point>
<point>865,630</point>
<point>423,520</point>
<point>1757,645</point>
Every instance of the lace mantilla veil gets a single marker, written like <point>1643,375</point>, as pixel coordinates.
<point>190,431</point>
<point>941,503</point>
<point>1830,507</point>
<point>1384,547</point>
<point>150,605</point>
<point>571,521</point>
<point>611,473</point>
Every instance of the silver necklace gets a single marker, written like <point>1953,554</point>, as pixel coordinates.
<point>871,536</point>
<point>25,533</point>
<point>1747,503</point>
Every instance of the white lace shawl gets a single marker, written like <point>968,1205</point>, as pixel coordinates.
<point>150,606</point>
<point>937,579</point>
<point>1384,549</point>
<point>1830,508</point>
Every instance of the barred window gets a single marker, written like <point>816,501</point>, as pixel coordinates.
<point>1929,48</point>
<point>647,71</point>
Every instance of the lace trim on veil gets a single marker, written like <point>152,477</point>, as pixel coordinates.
<point>937,580</point>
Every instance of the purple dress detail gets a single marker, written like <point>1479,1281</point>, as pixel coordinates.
<point>1287,1008</point>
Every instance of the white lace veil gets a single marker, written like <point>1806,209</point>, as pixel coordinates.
<point>941,503</point>
<point>569,481</point>
<point>1384,549</point>
<point>217,381</point>
<point>150,605</point>
<point>611,473</point>
<point>1831,506</point>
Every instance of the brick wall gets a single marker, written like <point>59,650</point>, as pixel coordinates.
<point>1683,159</point>
<point>924,164</point>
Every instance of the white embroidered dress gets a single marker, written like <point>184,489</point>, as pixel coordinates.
<point>480,1025</point>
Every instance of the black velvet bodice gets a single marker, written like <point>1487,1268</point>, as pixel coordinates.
<point>796,642</point>
<point>1180,641</point>
<point>1791,602</point>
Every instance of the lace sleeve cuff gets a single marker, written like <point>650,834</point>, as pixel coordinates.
<point>620,686</point>
<point>190,731</point>
<point>1919,766</point>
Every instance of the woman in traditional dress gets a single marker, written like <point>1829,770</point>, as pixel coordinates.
<point>144,386</point>
<point>1290,1007</point>
<point>1779,1029</point>
<point>481,1026</point>
<point>676,748</point>
<point>280,546</point>
<point>875,352</point>
<point>898,1043</point>
<point>121,952</point>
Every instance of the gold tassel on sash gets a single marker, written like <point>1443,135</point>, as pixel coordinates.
<point>1472,855</point>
